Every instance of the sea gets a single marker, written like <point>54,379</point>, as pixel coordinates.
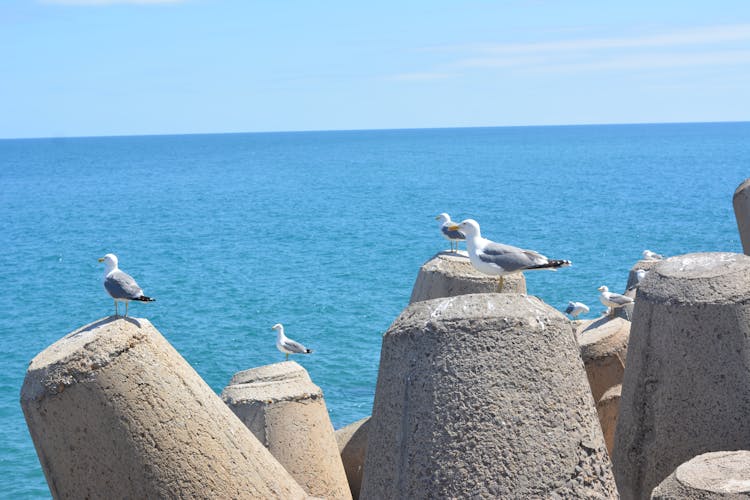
<point>325,232</point>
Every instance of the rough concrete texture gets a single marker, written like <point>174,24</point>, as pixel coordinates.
<point>287,413</point>
<point>484,396</point>
<point>626,312</point>
<point>116,412</point>
<point>608,408</point>
<point>352,442</point>
<point>741,202</point>
<point>604,348</point>
<point>717,475</point>
<point>449,274</point>
<point>686,388</point>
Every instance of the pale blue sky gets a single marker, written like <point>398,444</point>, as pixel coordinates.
<point>98,67</point>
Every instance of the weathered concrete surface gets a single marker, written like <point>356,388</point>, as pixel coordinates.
<point>608,408</point>
<point>741,202</point>
<point>626,312</point>
<point>287,413</point>
<point>686,388</point>
<point>116,412</point>
<point>483,396</point>
<point>449,274</point>
<point>717,475</point>
<point>352,442</point>
<point>604,349</point>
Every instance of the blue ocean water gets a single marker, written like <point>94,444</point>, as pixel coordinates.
<point>325,232</point>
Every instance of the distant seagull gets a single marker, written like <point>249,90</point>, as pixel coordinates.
<point>639,275</point>
<point>613,300</point>
<point>649,255</point>
<point>120,286</point>
<point>452,235</point>
<point>287,345</point>
<point>498,259</point>
<point>576,308</point>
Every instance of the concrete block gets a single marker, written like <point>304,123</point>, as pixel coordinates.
<point>608,408</point>
<point>717,475</point>
<point>352,442</point>
<point>115,412</point>
<point>604,348</point>
<point>449,274</point>
<point>686,388</point>
<point>741,203</point>
<point>287,413</point>
<point>483,396</point>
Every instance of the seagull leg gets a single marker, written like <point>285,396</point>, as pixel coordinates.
<point>126,308</point>
<point>500,283</point>
<point>287,356</point>
<point>116,311</point>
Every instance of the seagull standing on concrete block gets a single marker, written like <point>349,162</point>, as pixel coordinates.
<point>287,345</point>
<point>452,235</point>
<point>119,285</point>
<point>613,300</point>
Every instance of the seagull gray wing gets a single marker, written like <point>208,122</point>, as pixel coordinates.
<point>121,285</point>
<point>620,300</point>
<point>454,235</point>
<point>570,308</point>
<point>510,258</point>
<point>295,347</point>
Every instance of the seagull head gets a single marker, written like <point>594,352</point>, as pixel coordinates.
<point>468,227</point>
<point>603,289</point>
<point>110,261</point>
<point>278,327</point>
<point>443,218</point>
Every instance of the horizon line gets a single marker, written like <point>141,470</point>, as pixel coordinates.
<point>384,129</point>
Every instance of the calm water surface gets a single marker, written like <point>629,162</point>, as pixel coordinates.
<point>325,232</point>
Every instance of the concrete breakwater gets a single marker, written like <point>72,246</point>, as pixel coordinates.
<point>480,395</point>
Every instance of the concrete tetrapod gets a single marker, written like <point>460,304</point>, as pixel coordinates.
<point>483,396</point>
<point>608,408</point>
<point>717,475</point>
<point>741,203</point>
<point>686,388</point>
<point>352,442</point>
<point>116,412</point>
<point>604,349</point>
<point>287,413</point>
<point>449,274</point>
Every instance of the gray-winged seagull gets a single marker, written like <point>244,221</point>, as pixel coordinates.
<point>287,345</point>
<point>121,286</point>
<point>452,235</point>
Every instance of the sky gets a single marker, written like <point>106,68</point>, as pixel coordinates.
<point>126,67</point>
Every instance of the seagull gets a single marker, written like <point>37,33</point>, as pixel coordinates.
<point>576,308</point>
<point>287,345</point>
<point>120,286</point>
<point>498,259</point>
<point>613,300</point>
<point>649,255</point>
<point>639,275</point>
<point>450,235</point>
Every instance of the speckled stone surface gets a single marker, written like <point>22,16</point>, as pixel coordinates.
<point>686,388</point>
<point>116,412</point>
<point>287,412</point>
<point>449,274</point>
<point>484,396</point>
<point>721,475</point>
<point>352,441</point>
<point>741,203</point>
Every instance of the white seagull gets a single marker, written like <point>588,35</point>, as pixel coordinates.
<point>120,286</point>
<point>498,259</point>
<point>576,308</point>
<point>287,345</point>
<point>649,255</point>
<point>452,235</point>
<point>613,300</point>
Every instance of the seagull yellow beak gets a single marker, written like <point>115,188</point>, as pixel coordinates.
<point>100,259</point>
<point>436,218</point>
<point>454,227</point>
